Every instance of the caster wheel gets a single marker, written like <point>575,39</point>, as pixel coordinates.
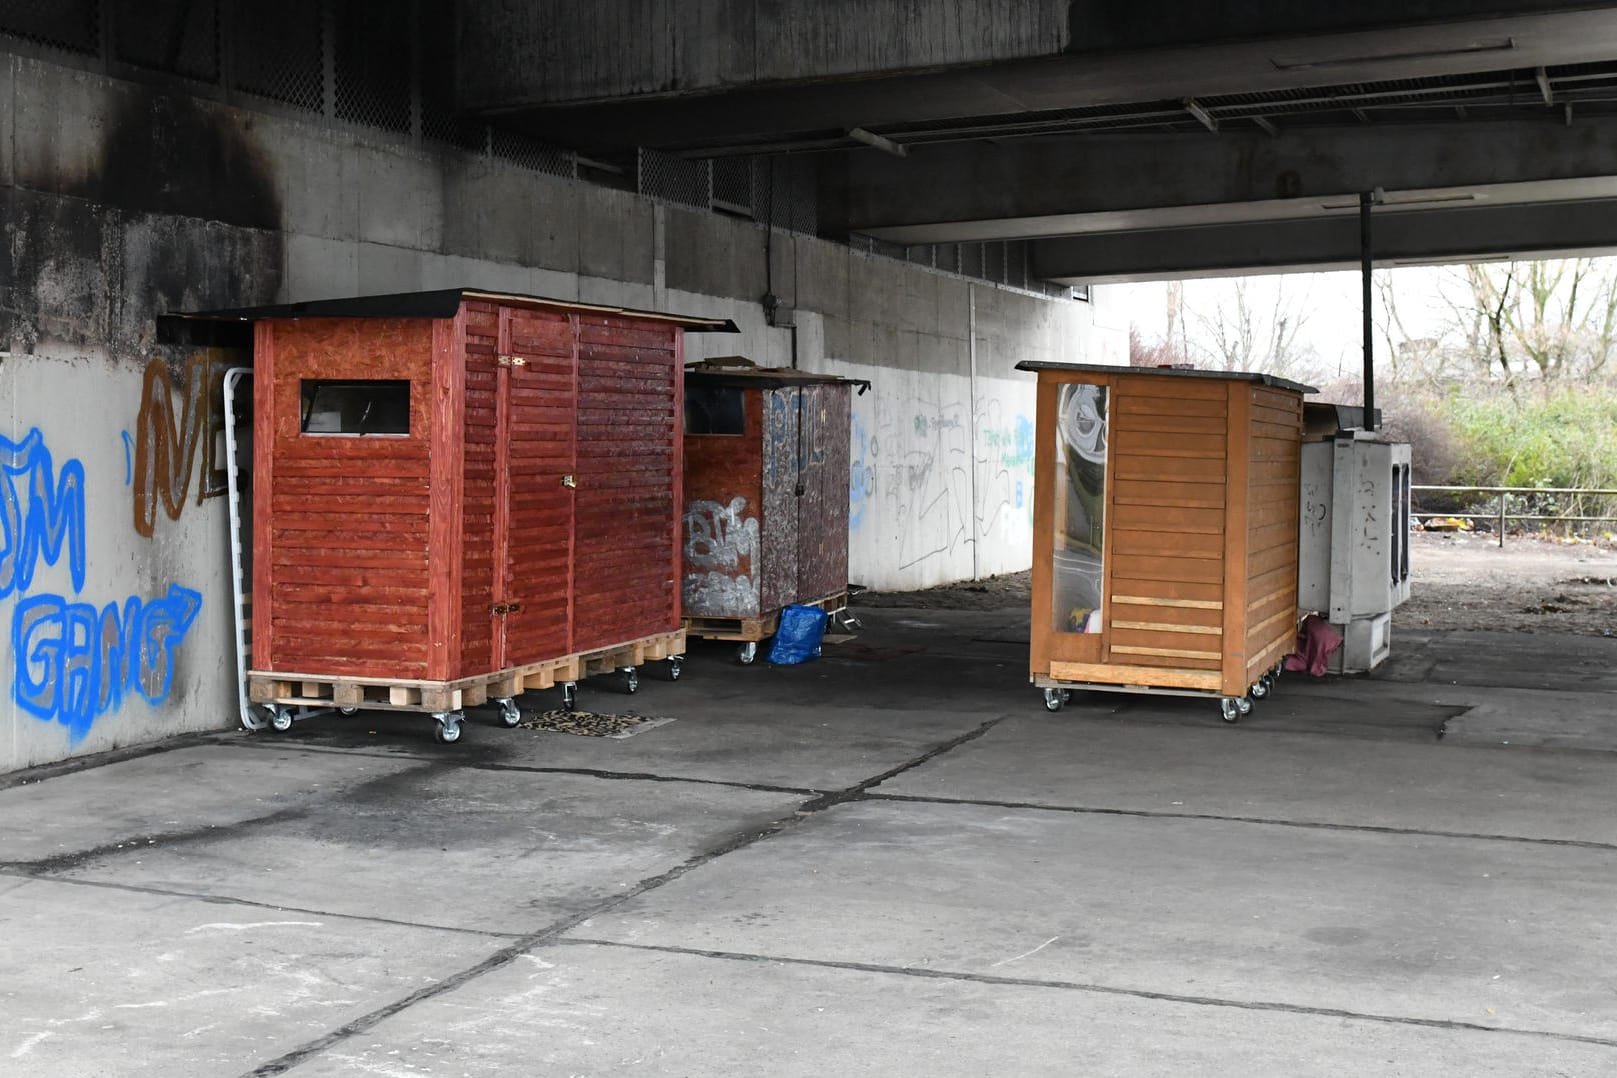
<point>1229,709</point>
<point>280,719</point>
<point>675,666</point>
<point>510,714</point>
<point>447,731</point>
<point>631,680</point>
<point>1244,705</point>
<point>1054,698</point>
<point>1260,688</point>
<point>569,695</point>
<point>349,710</point>
<point>747,652</point>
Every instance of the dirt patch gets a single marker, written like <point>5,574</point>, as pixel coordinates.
<point>1530,585</point>
<point>1461,582</point>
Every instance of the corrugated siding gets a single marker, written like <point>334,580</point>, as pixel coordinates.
<point>1166,528</point>
<point>1274,478</point>
<point>348,534</point>
<point>477,538</point>
<point>539,507</point>
<point>624,585</point>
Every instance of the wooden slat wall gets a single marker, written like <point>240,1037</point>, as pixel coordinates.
<point>1165,523</point>
<point>482,329</point>
<point>627,517</point>
<point>1273,474</point>
<point>341,526</point>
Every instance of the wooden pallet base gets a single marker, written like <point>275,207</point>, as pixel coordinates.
<point>383,694</point>
<point>758,628</point>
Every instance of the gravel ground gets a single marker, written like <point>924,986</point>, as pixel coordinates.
<point>1461,581</point>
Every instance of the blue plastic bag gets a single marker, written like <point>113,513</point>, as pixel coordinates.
<point>798,638</point>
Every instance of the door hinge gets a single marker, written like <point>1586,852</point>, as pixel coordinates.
<point>511,361</point>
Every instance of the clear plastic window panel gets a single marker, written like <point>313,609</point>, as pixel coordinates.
<point>1080,508</point>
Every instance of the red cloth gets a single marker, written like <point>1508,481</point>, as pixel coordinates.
<point>1316,642</point>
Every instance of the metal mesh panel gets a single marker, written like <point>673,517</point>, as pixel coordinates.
<point>529,152</point>
<point>921,254</point>
<point>180,37</point>
<point>733,183</point>
<point>805,203</point>
<point>674,179</point>
<point>372,53</point>
<point>73,25</point>
<point>279,51</point>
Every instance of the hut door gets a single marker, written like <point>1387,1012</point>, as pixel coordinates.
<point>625,558</point>
<point>533,527</point>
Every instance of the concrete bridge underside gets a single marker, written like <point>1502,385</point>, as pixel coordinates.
<point>1129,140</point>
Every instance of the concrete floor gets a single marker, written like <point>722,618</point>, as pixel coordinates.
<point>889,862</point>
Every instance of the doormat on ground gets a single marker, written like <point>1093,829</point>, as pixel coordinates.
<point>593,723</point>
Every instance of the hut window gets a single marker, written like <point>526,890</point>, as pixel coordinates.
<point>1080,504</point>
<point>350,407</point>
<point>714,410</point>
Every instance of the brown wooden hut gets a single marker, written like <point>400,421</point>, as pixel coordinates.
<point>766,497</point>
<point>1165,531</point>
<point>460,495</point>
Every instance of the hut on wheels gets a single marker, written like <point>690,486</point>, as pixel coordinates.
<point>1165,531</point>
<point>461,495</point>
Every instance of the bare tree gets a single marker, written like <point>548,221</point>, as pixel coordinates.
<point>1553,320</point>
<point>1242,333</point>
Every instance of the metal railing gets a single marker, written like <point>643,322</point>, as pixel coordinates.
<point>1503,514</point>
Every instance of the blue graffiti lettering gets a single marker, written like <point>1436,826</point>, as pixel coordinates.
<point>40,515</point>
<point>75,663</point>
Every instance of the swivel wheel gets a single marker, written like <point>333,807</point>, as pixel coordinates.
<point>1229,709</point>
<point>676,665</point>
<point>1260,688</point>
<point>747,652</point>
<point>569,695</point>
<point>1054,699</point>
<point>447,732</point>
<point>280,719</point>
<point>348,710</point>
<point>631,680</point>
<point>510,714</point>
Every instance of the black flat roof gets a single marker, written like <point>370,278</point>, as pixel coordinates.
<point>442,303</point>
<point>1167,372</point>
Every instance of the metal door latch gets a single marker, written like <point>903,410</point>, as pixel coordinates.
<point>569,482</point>
<point>504,608</point>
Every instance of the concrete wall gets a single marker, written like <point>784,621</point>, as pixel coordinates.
<point>559,51</point>
<point>121,204</point>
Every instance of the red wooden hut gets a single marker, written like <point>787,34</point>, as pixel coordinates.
<point>459,496</point>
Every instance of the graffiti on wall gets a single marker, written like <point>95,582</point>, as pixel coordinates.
<point>1004,469</point>
<point>918,472</point>
<point>75,661</point>
<point>166,447</point>
<point>41,511</point>
<point>721,559</point>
